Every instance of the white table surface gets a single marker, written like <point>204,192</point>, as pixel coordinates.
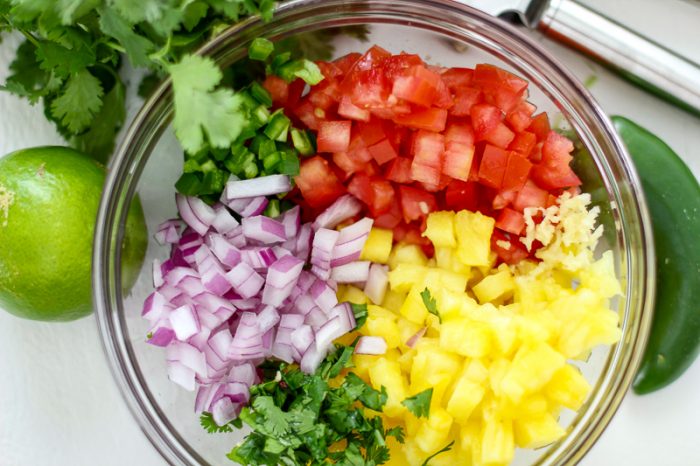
<point>60,407</point>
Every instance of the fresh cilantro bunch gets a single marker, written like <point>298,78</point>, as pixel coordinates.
<point>74,49</point>
<point>301,419</point>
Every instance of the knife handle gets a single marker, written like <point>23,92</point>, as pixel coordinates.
<point>639,59</point>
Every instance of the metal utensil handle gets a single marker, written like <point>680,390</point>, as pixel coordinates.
<point>639,59</point>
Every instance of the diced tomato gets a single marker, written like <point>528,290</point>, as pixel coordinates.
<point>374,56</point>
<point>391,218</point>
<point>318,183</point>
<point>540,126</point>
<point>360,186</point>
<point>347,109</point>
<point>520,118</point>
<point>425,174</point>
<point>493,166</point>
<point>511,221</point>
<point>346,62</point>
<point>516,173</point>
<point>556,149</point>
<point>530,195</point>
<point>358,149</point>
<point>399,170</point>
<point>348,164</point>
<point>372,132</point>
<point>500,136</point>
<point>428,148</point>
<point>458,160</point>
<point>397,65</point>
<point>523,143</point>
<point>503,198</point>
<point>429,119</point>
<point>383,151</point>
<point>296,89</point>
<point>330,70</point>
<point>461,195</point>
<point>368,89</point>
<point>508,249</point>
<point>459,132</point>
<point>489,75</point>
<point>333,136</point>
<point>416,203</point>
<point>278,89</point>
<point>417,85</point>
<point>436,186</point>
<point>485,118</point>
<point>554,172</point>
<point>443,96</point>
<point>412,234</point>
<point>456,78</point>
<point>384,196</point>
<point>323,98</point>
<point>464,99</point>
<point>306,112</point>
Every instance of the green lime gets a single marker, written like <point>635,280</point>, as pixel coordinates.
<point>49,198</point>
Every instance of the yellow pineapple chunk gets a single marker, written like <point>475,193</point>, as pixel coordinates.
<point>497,442</point>
<point>387,373</point>
<point>404,276</point>
<point>352,294</point>
<point>467,394</point>
<point>537,432</point>
<point>473,231</point>
<point>496,286</point>
<point>433,434</point>
<point>446,258</point>
<point>600,276</point>
<point>407,254</point>
<point>466,337</point>
<point>385,328</point>
<point>393,300</point>
<point>377,246</point>
<point>568,387</point>
<point>363,362</point>
<point>533,366</point>
<point>413,307</point>
<point>407,329</point>
<point>440,229</point>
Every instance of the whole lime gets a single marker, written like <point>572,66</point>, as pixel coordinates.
<point>49,198</point>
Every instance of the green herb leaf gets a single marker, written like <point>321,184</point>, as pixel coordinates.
<point>207,422</point>
<point>137,47</point>
<point>360,311</point>
<point>201,112</point>
<point>447,448</point>
<point>430,303</point>
<point>64,61</point>
<point>80,101</point>
<point>419,404</point>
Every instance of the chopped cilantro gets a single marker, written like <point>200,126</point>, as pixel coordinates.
<point>207,422</point>
<point>447,448</point>
<point>419,404</point>
<point>360,311</point>
<point>430,303</point>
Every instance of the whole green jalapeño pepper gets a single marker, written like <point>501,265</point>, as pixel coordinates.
<point>673,197</point>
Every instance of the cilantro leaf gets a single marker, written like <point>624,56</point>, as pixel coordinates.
<point>430,303</point>
<point>447,448</point>
<point>273,421</point>
<point>64,61</point>
<point>359,389</point>
<point>201,111</point>
<point>137,47</point>
<point>27,79</point>
<point>80,101</point>
<point>419,404</point>
<point>207,422</point>
<point>360,311</point>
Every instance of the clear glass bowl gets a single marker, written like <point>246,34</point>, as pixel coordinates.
<point>444,32</point>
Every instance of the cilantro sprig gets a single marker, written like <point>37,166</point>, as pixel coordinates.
<point>297,418</point>
<point>74,50</point>
<point>430,303</point>
<point>419,404</point>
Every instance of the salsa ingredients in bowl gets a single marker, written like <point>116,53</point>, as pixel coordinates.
<point>145,165</point>
<point>458,326</point>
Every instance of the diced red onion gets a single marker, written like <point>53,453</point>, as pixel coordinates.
<point>323,295</point>
<point>371,345</point>
<point>283,351</point>
<point>273,296</point>
<point>200,341</point>
<point>195,212</point>
<point>181,375</point>
<point>155,306</point>
<point>268,318</point>
<point>377,283</point>
<point>291,321</point>
<point>184,322</point>
<point>356,230</point>
<point>411,342</point>
<point>263,229</point>
<point>332,329</point>
<point>344,312</point>
<point>157,273</point>
<point>302,338</point>
<point>262,186</point>
<point>162,336</point>
<point>354,272</point>
<point>226,252</point>
<point>214,279</point>
<point>316,318</point>
<point>304,304</point>
<point>200,402</point>
<point>220,343</point>
<point>236,237</point>
<point>224,222</point>
<point>169,292</point>
<point>238,392</point>
<point>246,281</point>
<point>323,243</point>
<point>284,271</point>
<point>214,303</point>
<point>291,219</point>
<point>321,272</point>
<point>312,359</point>
<point>247,207</point>
<point>188,355</point>
<point>348,252</point>
<point>175,276</point>
<point>343,208</point>
<point>191,286</point>
<point>244,373</point>
<point>224,411</point>
<point>303,245</point>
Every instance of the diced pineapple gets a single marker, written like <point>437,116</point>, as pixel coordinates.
<point>532,367</point>
<point>385,328</point>
<point>594,328</point>
<point>413,307</point>
<point>387,373</point>
<point>439,278</point>
<point>378,246</point>
<point>497,442</point>
<point>469,435</point>
<point>404,276</point>
<point>363,362</point>
<point>467,394</point>
<point>600,276</point>
<point>496,286</point>
<point>473,231</point>
<point>537,432</point>
<point>433,434</point>
<point>497,370</point>
<point>406,360</point>
<point>446,258</point>
<point>529,407</point>
<point>407,254</point>
<point>407,329</point>
<point>347,339</point>
<point>568,387</point>
<point>451,303</point>
<point>414,455</point>
<point>352,294</point>
<point>380,312</point>
<point>465,337</point>
<point>504,331</point>
<point>393,300</point>
<point>440,229</point>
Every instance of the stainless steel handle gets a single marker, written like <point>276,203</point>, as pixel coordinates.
<point>639,59</point>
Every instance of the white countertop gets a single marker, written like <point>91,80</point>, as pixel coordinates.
<point>60,407</point>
